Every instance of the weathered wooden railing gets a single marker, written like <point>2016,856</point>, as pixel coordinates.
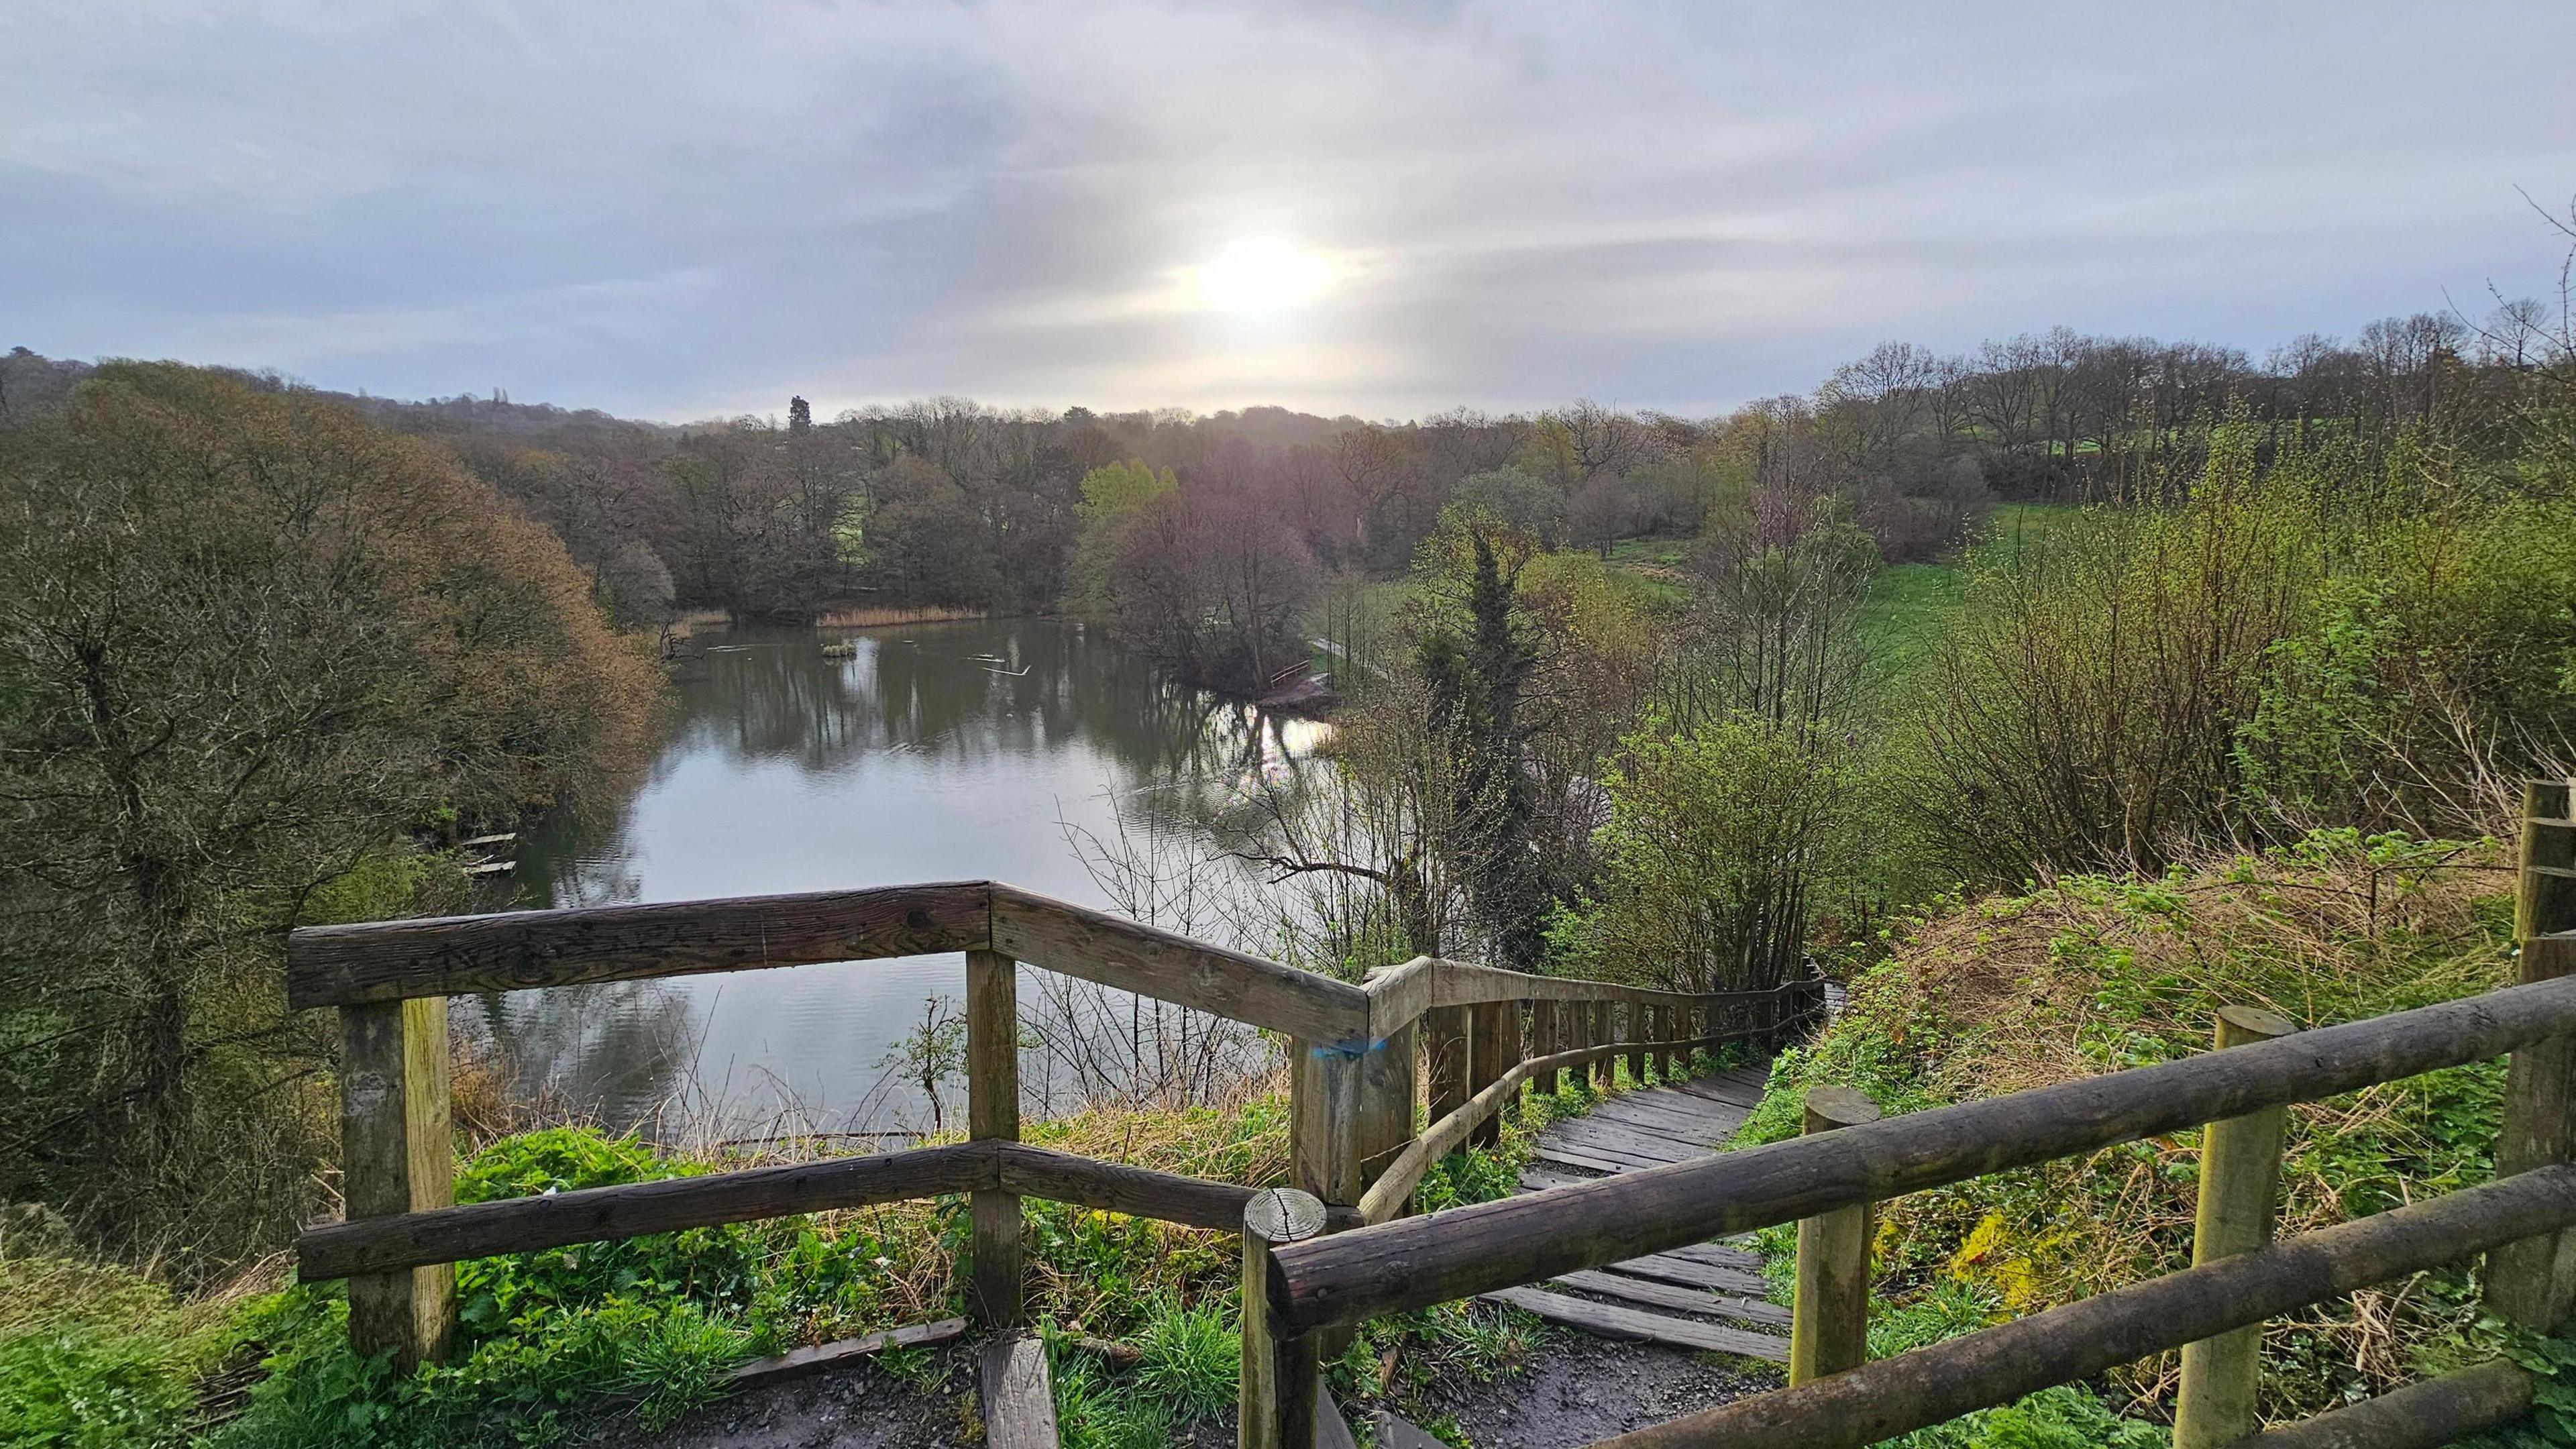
<point>2525,1222</point>
<point>1354,1073</point>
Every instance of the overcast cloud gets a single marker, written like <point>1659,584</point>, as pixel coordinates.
<point>682,210</point>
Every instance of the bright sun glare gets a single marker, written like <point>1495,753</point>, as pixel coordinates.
<point>1258,275</point>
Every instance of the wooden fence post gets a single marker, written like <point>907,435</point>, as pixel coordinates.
<point>2533,1282</point>
<point>2240,1182</point>
<point>1328,1107</point>
<point>1637,1037</point>
<point>1829,1317</point>
<point>993,1114</point>
<point>1276,1374</point>
<point>1542,1043</point>
<point>1493,1048</point>
<point>397,1156</point>
<point>1448,1051</point>
<point>1605,1068</point>
<point>1389,1088</point>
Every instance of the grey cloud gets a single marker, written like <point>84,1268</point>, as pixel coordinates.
<point>680,210</point>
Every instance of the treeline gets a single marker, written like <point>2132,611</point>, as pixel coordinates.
<point>2335,595</point>
<point>949,503</point>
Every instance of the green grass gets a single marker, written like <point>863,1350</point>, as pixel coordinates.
<point>1910,606</point>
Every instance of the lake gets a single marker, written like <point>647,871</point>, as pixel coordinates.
<point>933,752</point>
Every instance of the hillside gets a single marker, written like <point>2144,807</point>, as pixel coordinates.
<point>2088,974</point>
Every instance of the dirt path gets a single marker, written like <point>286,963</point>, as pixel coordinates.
<point>1574,1390</point>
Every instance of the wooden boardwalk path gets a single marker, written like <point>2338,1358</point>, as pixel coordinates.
<point>1709,1296</point>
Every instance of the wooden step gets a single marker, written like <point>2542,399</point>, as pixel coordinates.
<point>1705,1128</point>
<point>1646,1293</point>
<point>1569,1155</point>
<point>1395,1433</point>
<point>1697,1137</point>
<point>1612,1139</point>
<point>1718,1255</point>
<point>1018,1403</point>
<point>796,1363</point>
<point>1536,1180</point>
<point>1611,1321</point>
<point>1664,1268</point>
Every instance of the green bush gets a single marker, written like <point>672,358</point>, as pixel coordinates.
<point>550,1342</point>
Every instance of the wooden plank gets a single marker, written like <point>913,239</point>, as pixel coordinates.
<point>1547,1029</point>
<point>457,955</point>
<point>1650,1293</point>
<point>1697,1132</point>
<point>1388,1091</point>
<point>1096,946</point>
<point>1540,1181</point>
<point>1665,1268</point>
<point>1567,1155</point>
<point>1611,1321</point>
<point>995,1264</point>
<point>1636,1026</point>
<point>1720,1255</point>
<point>1395,1433</point>
<point>1387,1269</point>
<point>1493,1049</point>
<point>1701,1131</point>
<point>1725,1096</point>
<point>799,1363</point>
<point>1650,1147</point>
<point>1018,1403</point>
<point>397,1157</point>
<point>1332,1431</point>
<point>1446,1048</point>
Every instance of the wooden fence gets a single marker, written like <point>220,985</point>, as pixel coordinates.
<point>1826,1181</point>
<point>1361,1059</point>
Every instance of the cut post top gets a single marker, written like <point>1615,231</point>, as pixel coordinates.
<point>1283,1215</point>
<point>1832,1107</point>
<point>2242,1025</point>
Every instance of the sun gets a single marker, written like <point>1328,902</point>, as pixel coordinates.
<point>1257,276</point>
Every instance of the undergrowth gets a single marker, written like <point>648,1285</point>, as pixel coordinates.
<point>554,1346</point>
<point>2091,974</point>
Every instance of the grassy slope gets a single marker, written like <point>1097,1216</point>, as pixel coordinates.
<point>2093,974</point>
<point>1909,605</point>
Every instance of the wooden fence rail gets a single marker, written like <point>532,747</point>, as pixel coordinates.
<point>2525,1221</point>
<point>1354,1077</point>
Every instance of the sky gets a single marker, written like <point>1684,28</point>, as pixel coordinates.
<point>677,211</point>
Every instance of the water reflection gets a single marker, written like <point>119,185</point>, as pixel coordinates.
<point>937,752</point>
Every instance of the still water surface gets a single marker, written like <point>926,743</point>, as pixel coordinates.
<point>936,752</point>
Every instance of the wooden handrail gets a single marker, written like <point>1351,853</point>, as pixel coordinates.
<point>1400,995</point>
<point>1442,1257</point>
<point>1997,1365</point>
<point>1114,951</point>
<point>597,1214</point>
<point>513,950</point>
<point>1404,1172</point>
